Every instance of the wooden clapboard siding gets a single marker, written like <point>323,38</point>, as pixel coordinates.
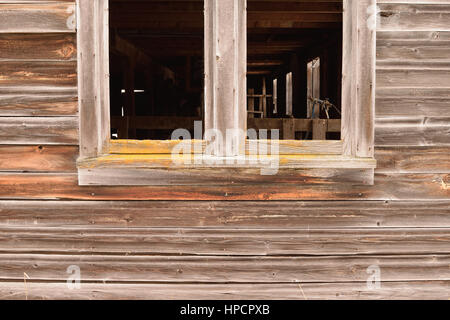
<point>38,158</point>
<point>39,130</point>
<point>37,17</point>
<point>413,16</point>
<point>38,73</point>
<point>97,268</point>
<point>224,242</point>
<point>413,132</point>
<point>225,215</point>
<point>57,46</point>
<point>413,159</point>
<point>213,249</point>
<point>48,101</point>
<point>65,186</point>
<point>420,290</point>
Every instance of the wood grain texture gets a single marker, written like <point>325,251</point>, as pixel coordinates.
<point>37,17</point>
<point>225,269</point>
<point>226,214</point>
<point>38,158</point>
<point>285,147</point>
<point>39,130</point>
<point>401,16</point>
<point>93,72</point>
<point>300,249</point>
<point>35,101</point>
<point>47,46</point>
<point>387,187</point>
<point>406,290</point>
<point>413,159</point>
<point>38,73</point>
<point>413,48</point>
<point>412,77</point>
<point>224,241</point>
<point>413,131</point>
<point>120,176</point>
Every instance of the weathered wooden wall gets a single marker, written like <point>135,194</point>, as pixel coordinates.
<point>316,245</point>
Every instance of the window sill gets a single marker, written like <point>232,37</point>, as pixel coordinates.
<point>163,169</point>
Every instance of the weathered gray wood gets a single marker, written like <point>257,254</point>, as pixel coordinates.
<point>39,130</point>
<point>93,76</point>
<point>224,241</point>
<point>349,46</point>
<point>100,268</point>
<point>366,79</point>
<point>35,101</point>
<point>421,16</point>
<point>230,214</point>
<point>413,131</point>
<point>226,70</point>
<point>417,101</point>
<point>358,95</point>
<point>412,48</point>
<point>411,290</point>
<point>37,17</point>
<point>413,77</point>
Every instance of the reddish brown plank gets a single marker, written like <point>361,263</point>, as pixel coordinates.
<point>39,130</point>
<point>37,17</point>
<point>38,158</point>
<point>413,159</point>
<point>387,187</point>
<point>38,73</point>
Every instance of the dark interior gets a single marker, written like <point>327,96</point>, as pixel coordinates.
<point>156,64</point>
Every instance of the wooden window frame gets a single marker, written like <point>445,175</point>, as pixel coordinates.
<point>104,161</point>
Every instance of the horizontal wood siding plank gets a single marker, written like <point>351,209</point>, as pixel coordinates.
<point>117,176</point>
<point>37,17</point>
<point>38,46</point>
<point>25,102</point>
<point>34,130</point>
<point>419,106</point>
<point>225,269</point>
<point>227,214</point>
<point>397,134</point>
<point>387,187</point>
<point>414,16</point>
<point>411,290</point>
<point>38,73</point>
<point>409,77</point>
<point>223,242</point>
<point>38,158</point>
<point>413,159</point>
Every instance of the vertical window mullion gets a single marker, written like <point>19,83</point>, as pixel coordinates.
<point>225,71</point>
